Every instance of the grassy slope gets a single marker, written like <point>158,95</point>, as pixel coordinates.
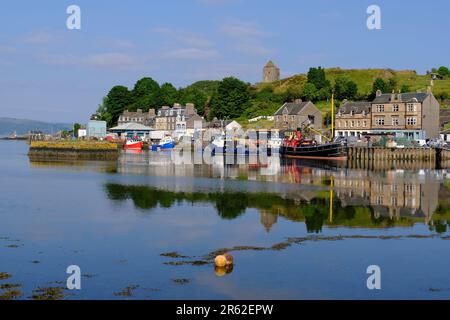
<point>364,78</point>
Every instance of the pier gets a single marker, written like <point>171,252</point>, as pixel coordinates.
<point>415,157</point>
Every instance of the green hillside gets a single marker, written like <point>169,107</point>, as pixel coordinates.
<point>364,78</point>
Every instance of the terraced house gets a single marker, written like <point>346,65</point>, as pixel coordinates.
<point>353,119</point>
<point>406,115</point>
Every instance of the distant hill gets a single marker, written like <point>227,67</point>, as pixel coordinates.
<point>364,78</point>
<point>23,126</point>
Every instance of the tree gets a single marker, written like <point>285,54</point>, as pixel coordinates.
<point>232,98</point>
<point>116,102</point>
<point>168,95</point>
<point>146,93</point>
<point>378,84</point>
<point>391,85</point>
<point>76,127</point>
<point>443,72</point>
<point>195,96</point>
<point>405,88</point>
<point>344,88</point>
<point>310,92</point>
<point>317,77</point>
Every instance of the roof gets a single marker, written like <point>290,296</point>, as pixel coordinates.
<point>355,107</point>
<point>402,97</point>
<point>293,108</point>
<point>270,64</point>
<point>131,126</point>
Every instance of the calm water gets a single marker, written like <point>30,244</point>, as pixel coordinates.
<point>144,228</point>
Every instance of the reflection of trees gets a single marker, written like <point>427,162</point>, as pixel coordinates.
<point>230,205</point>
<point>439,226</point>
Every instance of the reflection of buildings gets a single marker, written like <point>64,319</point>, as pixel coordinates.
<point>394,194</point>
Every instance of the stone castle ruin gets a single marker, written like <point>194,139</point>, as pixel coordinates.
<point>271,73</point>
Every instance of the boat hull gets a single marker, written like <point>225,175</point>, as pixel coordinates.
<point>168,145</point>
<point>133,145</point>
<point>330,151</point>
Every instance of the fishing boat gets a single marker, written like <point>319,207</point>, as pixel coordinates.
<point>133,144</point>
<point>166,143</point>
<point>297,145</point>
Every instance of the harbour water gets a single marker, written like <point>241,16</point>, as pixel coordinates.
<point>146,228</point>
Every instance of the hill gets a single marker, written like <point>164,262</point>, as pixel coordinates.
<point>364,78</point>
<point>23,126</point>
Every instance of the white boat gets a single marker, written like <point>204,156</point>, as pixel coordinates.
<point>166,143</point>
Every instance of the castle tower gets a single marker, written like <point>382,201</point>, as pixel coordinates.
<point>271,72</point>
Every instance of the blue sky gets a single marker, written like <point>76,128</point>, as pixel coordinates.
<point>48,72</point>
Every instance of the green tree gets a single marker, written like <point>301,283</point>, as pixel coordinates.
<point>443,71</point>
<point>405,88</point>
<point>232,98</point>
<point>146,93</point>
<point>76,127</point>
<point>317,77</point>
<point>344,88</point>
<point>116,102</point>
<point>195,96</point>
<point>378,84</point>
<point>391,85</point>
<point>168,95</point>
<point>309,92</point>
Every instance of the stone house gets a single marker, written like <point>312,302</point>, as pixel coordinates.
<point>166,119</point>
<point>410,115</point>
<point>404,115</point>
<point>294,115</point>
<point>353,119</point>
<point>144,118</point>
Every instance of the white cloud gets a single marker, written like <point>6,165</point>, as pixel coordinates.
<point>183,37</point>
<point>114,60</point>
<point>41,37</point>
<point>248,38</point>
<point>7,49</point>
<point>193,53</point>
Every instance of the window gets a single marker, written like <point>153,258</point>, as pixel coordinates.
<point>379,121</point>
<point>358,123</point>
<point>353,124</point>
<point>380,108</point>
<point>311,119</point>
<point>364,123</point>
<point>395,108</point>
<point>394,201</point>
<point>346,124</point>
<point>395,121</point>
<point>411,121</point>
<point>379,200</point>
<point>411,107</point>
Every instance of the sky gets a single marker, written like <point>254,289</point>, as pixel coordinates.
<point>51,73</point>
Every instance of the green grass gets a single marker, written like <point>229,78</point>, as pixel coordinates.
<point>364,78</point>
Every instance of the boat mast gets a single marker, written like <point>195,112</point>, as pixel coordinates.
<point>332,116</point>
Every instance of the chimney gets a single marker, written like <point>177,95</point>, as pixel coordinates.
<point>151,112</point>
<point>429,91</point>
<point>393,95</point>
<point>298,101</point>
<point>378,93</point>
<point>139,110</point>
<point>190,109</point>
<point>176,105</point>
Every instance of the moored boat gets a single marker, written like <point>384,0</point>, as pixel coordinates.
<point>133,145</point>
<point>167,143</point>
<point>327,151</point>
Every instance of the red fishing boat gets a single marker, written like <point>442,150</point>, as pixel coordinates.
<point>133,145</point>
